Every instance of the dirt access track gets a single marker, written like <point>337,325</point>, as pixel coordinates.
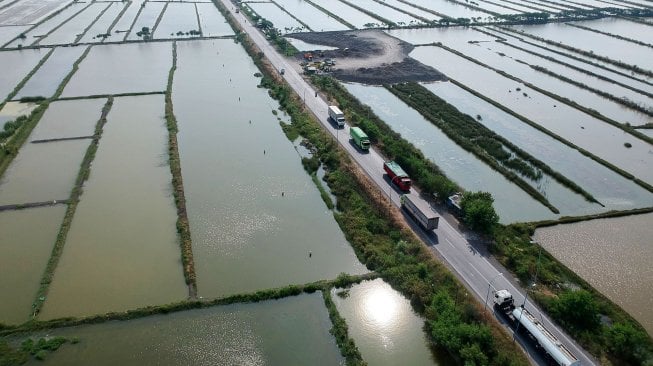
<point>369,57</point>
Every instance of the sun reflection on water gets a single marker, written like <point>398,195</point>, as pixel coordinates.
<point>380,306</point>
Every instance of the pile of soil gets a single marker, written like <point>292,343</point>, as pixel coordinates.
<point>369,57</point>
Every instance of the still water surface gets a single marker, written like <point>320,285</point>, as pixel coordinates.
<point>255,215</point>
<point>290,331</point>
<point>613,255</point>
<point>384,326</point>
<point>122,251</point>
<point>24,253</point>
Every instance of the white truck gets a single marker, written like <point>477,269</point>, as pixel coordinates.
<point>421,211</point>
<point>524,321</point>
<point>337,116</point>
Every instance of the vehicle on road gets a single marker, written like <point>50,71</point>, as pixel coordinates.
<point>360,138</point>
<point>337,116</point>
<point>421,212</point>
<point>397,175</point>
<point>522,320</point>
<point>282,71</point>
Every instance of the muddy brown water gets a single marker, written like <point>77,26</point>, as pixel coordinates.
<point>384,326</point>
<point>24,252</point>
<point>290,331</point>
<point>613,255</point>
<point>122,250</point>
<point>256,218</point>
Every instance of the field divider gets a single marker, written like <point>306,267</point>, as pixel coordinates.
<point>158,19</point>
<point>21,206</point>
<point>343,280</point>
<point>183,225</point>
<point>82,176</point>
<point>538,127</point>
<point>334,16</point>
<point>573,67</point>
<point>138,14</point>
<point>39,23</point>
<point>623,65</point>
<point>571,103</point>
<point>116,95</point>
<point>117,19</point>
<point>427,21</point>
<point>441,15</point>
<point>604,215</point>
<point>61,139</point>
<point>197,15</point>
<point>340,332</point>
<point>81,35</point>
<point>622,38</point>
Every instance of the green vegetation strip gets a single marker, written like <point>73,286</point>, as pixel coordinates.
<point>535,125</point>
<point>183,227</point>
<point>482,142</point>
<point>38,349</point>
<point>382,240</point>
<point>426,21</point>
<point>41,37</point>
<point>79,36</point>
<point>100,96</point>
<point>82,176</point>
<point>615,339</point>
<point>627,128</point>
<point>343,280</point>
<point>292,15</point>
<point>621,64</point>
<point>323,193</point>
<point>158,19</point>
<point>340,331</point>
<point>16,133</point>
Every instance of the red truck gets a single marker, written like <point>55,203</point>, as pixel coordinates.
<point>397,175</point>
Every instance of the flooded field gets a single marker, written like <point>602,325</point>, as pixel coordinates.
<point>28,11</point>
<point>383,324</point>
<point>35,34</point>
<point>16,65</point>
<point>47,78</point>
<point>388,13</point>
<point>609,188</point>
<point>590,41</point>
<point>581,129</point>
<point>8,33</point>
<point>351,15</point>
<point>73,28</point>
<point>315,18</point>
<point>179,17</point>
<point>281,20</point>
<point>250,204</point>
<point>24,252</point>
<point>511,203</point>
<point>122,251</point>
<point>450,9</point>
<point>212,22</point>
<point>290,331</point>
<point>146,18</point>
<point>42,172</point>
<point>613,255</point>
<point>102,25</point>
<point>103,71</point>
<point>69,118</point>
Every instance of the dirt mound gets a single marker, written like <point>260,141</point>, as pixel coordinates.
<point>370,57</point>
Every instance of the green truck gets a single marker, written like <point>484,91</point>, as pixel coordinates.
<point>360,138</point>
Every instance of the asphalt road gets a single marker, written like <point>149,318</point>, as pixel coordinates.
<point>448,243</point>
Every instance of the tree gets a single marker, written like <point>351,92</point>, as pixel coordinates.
<point>578,309</point>
<point>478,211</point>
<point>629,343</point>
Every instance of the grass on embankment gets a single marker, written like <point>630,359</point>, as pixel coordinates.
<point>183,226</point>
